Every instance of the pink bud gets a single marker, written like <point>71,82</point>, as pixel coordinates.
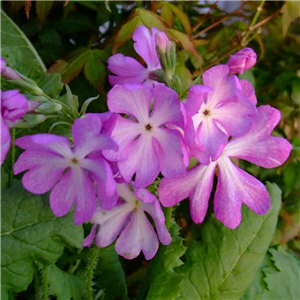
<point>161,41</point>
<point>7,72</point>
<point>241,61</point>
<point>5,139</point>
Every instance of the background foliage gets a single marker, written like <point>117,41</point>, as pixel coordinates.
<point>72,40</point>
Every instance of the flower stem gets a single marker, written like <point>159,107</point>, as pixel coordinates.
<point>168,216</point>
<point>45,283</point>
<point>90,271</point>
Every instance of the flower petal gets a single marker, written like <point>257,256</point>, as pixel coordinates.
<point>235,187</point>
<point>74,186</point>
<point>89,239</point>
<point>138,236</point>
<point>257,146</point>
<point>145,46</point>
<point>127,70</point>
<point>131,99</point>
<point>5,139</point>
<point>45,169</point>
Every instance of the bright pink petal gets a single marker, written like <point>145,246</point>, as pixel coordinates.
<point>144,162</point>
<point>45,169</point>
<point>87,137</point>
<point>5,139</point>
<point>89,239</point>
<point>74,186</point>
<point>196,185</point>
<point>124,133</point>
<point>235,117</point>
<point>127,70</point>
<point>169,152</point>
<point>235,187</point>
<point>224,88</point>
<point>44,141</point>
<point>138,236</point>
<point>166,107</point>
<point>106,185</point>
<point>145,46</point>
<point>257,146</point>
<point>248,91</point>
<point>133,100</point>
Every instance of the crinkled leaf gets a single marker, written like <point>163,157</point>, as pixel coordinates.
<point>51,84</point>
<point>125,33</point>
<point>94,70</point>
<point>278,277</point>
<point>109,275</point>
<point>30,232</point>
<point>63,285</point>
<point>290,12</point>
<point>42,10</point>
<point>224,263</point>
<point>15,43</point>
<point>72,66</point>
<point>161,282</point>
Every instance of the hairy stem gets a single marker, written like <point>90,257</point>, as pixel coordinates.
<point>90,271</point>
<point>45,283</point>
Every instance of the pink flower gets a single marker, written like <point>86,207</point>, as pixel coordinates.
<point>127,69</point>
<point>128,221</point>
<point>161,41</point>
<point>241,61</point>
<point>222,107</point>
<point>146,145</point>
<point>70,173</point>
<point>13,107</point>
<point>234,186</point>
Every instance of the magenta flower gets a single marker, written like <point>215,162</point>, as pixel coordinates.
<point>70,173</point>
<point>127,69</point>
<point>128,221</point>
<point>241,61</point>
<point>220,108</point>
<point>234,186</point>
<point>13,107</point>
<point>146,145</point>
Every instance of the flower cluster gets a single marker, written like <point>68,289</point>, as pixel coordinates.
<point>111,158</point>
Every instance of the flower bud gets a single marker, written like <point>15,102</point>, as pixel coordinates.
<point>48,108</point>
<point>241,61</point>
<point>7,72</point>
<point>161,41</point>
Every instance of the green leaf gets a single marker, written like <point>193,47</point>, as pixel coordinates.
<point>278,278</point>
<point>94,70</point>
<point>51,84</point>
<point>64,285</point>
<point>224,263</point>
<point>14,41</point>
<point>290,12</point>
<point>109,274</point>
<point>42,10</point>
<point>150,19</point>
<point>161,282</point>
<point>182,17</point>
<point>30,232</point>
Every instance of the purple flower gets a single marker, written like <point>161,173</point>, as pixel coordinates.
<point>146,145</point>
<point>234,186</point>
<point>71,173</point>
<point>241,61</point>
<point>222,107</point>
<point>13,107</point>
<point>127,69</point>
<point>7,72</point>
<point>128,221</point>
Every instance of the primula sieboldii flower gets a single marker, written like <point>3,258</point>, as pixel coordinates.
<point>234,186</point>
<point>146,145</point>
<point>222,107</point>
<point>128,221</point>
<point>127,69</point>
<point>13,107</point>
<point>241,61</point>
<point>70,173</point>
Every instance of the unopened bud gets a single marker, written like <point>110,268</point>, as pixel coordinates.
<point>241,61</point>
<point>33,120</point>
<point>48,108</point>
<point>7,72</point>
<point>161,41</point>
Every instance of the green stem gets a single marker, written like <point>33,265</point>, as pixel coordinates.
<point>168,216</point>
<point>90,271</point>
<point>45,283</point>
